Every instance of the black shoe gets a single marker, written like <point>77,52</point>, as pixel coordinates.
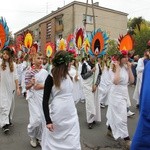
<point>5,128</point>
<point>137,106</point>
<point>10,124</point>
<point>94,122</point>
<point>90,125</point>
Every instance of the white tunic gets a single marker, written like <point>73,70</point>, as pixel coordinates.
<point>93,112</point>
<point>66,134</point>
<point>139,70</point>
<point>104,86</point>
<point>76,84</point>
<point>35,107</point>
<point>7,91</point>
<point>117,107</point>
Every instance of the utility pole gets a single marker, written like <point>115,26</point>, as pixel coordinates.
<point>85,20</point>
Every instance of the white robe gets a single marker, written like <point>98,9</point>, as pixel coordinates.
<point>104,86</point>
<point>66,134</point>
<point>139,70</point>
<point>35,98</point>
<point>93,112</point>
<point>7,91</point>
<point>76,84</point>
<point>117,106</point>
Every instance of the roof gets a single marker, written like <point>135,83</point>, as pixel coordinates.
<point>53,13</point>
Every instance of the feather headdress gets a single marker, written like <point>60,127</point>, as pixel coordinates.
<point>98,42</point>
<point>61,44</point>
<point>79,38</point>
<point>28,39</point>
<point>125,42</point>
<point>49,50</point>
<point>4,33</point>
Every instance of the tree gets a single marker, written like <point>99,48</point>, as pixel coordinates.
<point>134,23</point>
<point>141,38</point>
<point>112,47</point>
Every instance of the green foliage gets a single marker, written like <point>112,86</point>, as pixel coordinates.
<point>141,38</point>
<point>112,47</point>
<point>135,23</point>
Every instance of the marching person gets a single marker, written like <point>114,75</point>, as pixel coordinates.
<point>8,86</point>
<point>118,97</point>
<point>35,79</point>
<point>91,74</point>
<point>61,130</point>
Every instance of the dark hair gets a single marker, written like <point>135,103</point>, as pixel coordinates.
<point>60,67</point>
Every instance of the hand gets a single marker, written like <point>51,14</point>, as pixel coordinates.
<point>33,81</point>
<point>76,78</point>
<point>129,64</point>
<point>50,127</point>
<point>18,91</point>
<point>94,87</point>
<point>94,69</point>
<point>38,86</point>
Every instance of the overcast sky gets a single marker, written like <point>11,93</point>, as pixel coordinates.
<point>20,13</point>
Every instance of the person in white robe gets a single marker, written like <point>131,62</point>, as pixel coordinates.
<point>61,130</point>
<point>139,70</point>
<point>35,79</point>
<point>121,74</point>
<point>24,67</point>
<point>91,74</point>
<point>8,86</point>
<point>73,72</point>
<point>105,82</point>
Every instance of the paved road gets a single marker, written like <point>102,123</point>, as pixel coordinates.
<point>94,139</point>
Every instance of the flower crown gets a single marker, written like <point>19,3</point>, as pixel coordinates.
<point>60,59</point>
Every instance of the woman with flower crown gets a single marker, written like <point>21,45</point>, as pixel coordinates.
<point>120,74</point>
<point>8,86</point>
<point>61,131</point>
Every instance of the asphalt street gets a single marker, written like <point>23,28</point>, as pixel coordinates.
<point>91,139</point>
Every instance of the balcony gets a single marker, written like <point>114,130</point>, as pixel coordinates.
<point>59,28</point>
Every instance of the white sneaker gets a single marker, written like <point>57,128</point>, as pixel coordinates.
<point>102,105</point>
<point>130,113</point>
<point>33,142</point>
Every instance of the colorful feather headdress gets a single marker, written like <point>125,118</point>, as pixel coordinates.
<point>28,39</point>
<point>71,47</point>
<point>98,42</point>
<point>61,44</point>
<point>4,33</point>
<point>79,38</point>
<point>86,45</point>
<point>49,50</point>
<point>125,42</point>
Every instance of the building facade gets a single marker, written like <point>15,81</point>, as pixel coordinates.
<point>65,20</point>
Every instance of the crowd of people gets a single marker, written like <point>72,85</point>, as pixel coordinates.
<point>53,88</point>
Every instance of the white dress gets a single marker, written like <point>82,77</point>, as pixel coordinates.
<point>7,92</point>
<point>76,84</point>
<point>139,70</point>
<point>93,112</point>
<point>117,107</point>
<point>35,98</point>
<point>66,134</point>
<point>104,86</point>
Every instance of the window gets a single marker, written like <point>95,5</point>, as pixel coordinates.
<point>48,30</point>
<point>89,19</point>
<point>60,36</point>
<point>36,32</point>
<point>60,22</point>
